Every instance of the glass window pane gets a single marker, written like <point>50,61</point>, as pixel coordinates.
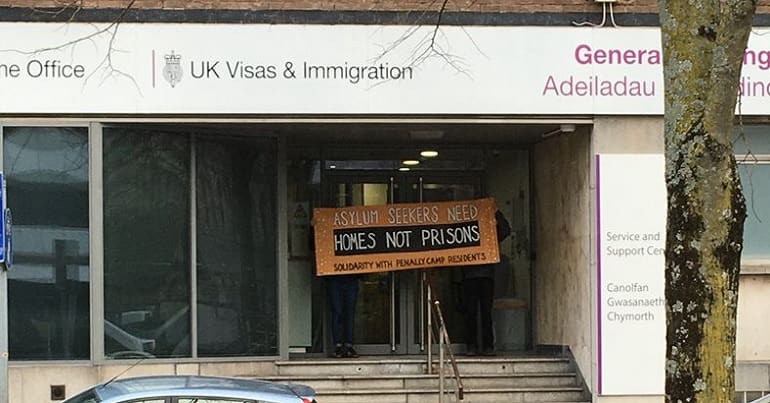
<point>46,170</point>
<point>755,179</point>
<point>146,243</point>
<point>236,238</point>
<point>753,139</point>
<point>752,147</point>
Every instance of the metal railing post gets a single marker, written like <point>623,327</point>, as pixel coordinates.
<point>441,343</point>
<point>444,346</point>
<point>429,328</point>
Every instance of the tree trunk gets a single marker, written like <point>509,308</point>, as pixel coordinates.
<point>703,44</point>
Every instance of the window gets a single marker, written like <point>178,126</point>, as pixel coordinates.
<point>755,178</point>
<point>46,170</point>
<point>236,238</point>
<point>146,244</point>
<point>753,156</point>
<point>149,225</point>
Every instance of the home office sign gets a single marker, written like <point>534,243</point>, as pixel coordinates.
<point>367,239</point>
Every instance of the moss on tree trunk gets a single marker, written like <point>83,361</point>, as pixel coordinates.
<point>703,42</point>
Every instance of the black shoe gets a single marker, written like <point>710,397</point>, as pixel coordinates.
<point>339,352</point>
<point>350,353</point>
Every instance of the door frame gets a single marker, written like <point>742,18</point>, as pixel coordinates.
<point>409,336</point>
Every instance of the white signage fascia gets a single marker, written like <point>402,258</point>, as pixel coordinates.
<point>630,242</point>
<point>260,69</point>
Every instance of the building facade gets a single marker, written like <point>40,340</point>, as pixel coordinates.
<point>162,160</point>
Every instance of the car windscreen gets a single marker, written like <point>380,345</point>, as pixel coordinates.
<point>88,396</point>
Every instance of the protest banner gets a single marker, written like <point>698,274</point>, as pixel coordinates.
<point>367,239</point>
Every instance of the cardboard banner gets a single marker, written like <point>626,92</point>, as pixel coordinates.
<point>367,239</point>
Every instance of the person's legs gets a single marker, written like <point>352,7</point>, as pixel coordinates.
<point>470,292</point>
<point>486,296</point>
<point>333,286</point>
<point>349,296</point>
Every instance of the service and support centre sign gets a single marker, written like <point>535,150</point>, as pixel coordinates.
<point>630,242</point>
<point>366,239</point>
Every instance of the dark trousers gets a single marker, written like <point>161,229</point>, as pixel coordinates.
<point>478,293</point>
<point>343,291</point>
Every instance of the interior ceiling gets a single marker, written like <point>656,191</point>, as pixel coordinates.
<point>374,145</point>
<point>409,133</point>
<point>387,134</point>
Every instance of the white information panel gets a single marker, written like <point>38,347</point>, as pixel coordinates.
<point>236,69</point>
<point>631,231</point>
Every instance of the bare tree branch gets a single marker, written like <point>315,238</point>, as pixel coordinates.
<point>106,65</point>
<point>77,5</point>
<point>428,46</point>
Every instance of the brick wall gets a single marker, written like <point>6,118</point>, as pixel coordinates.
<point>492,6</point>
<point>485,6</point>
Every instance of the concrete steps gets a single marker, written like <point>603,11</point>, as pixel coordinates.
<point>411,381</point>
<point>404,380</point>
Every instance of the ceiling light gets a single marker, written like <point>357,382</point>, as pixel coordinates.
<point>429,153</point>
<point>410,162</point>
<point>332,166</point>
<point>403,169</point>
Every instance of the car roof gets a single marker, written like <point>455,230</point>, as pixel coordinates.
<point>176,385</point>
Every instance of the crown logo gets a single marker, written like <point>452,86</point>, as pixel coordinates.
<point>173,58</point>
<point>172,71</point>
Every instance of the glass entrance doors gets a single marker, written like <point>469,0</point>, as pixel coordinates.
<point>376,316</point>
<point>391,307</point>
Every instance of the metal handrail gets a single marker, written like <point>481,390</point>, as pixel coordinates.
<point>445,345</point>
